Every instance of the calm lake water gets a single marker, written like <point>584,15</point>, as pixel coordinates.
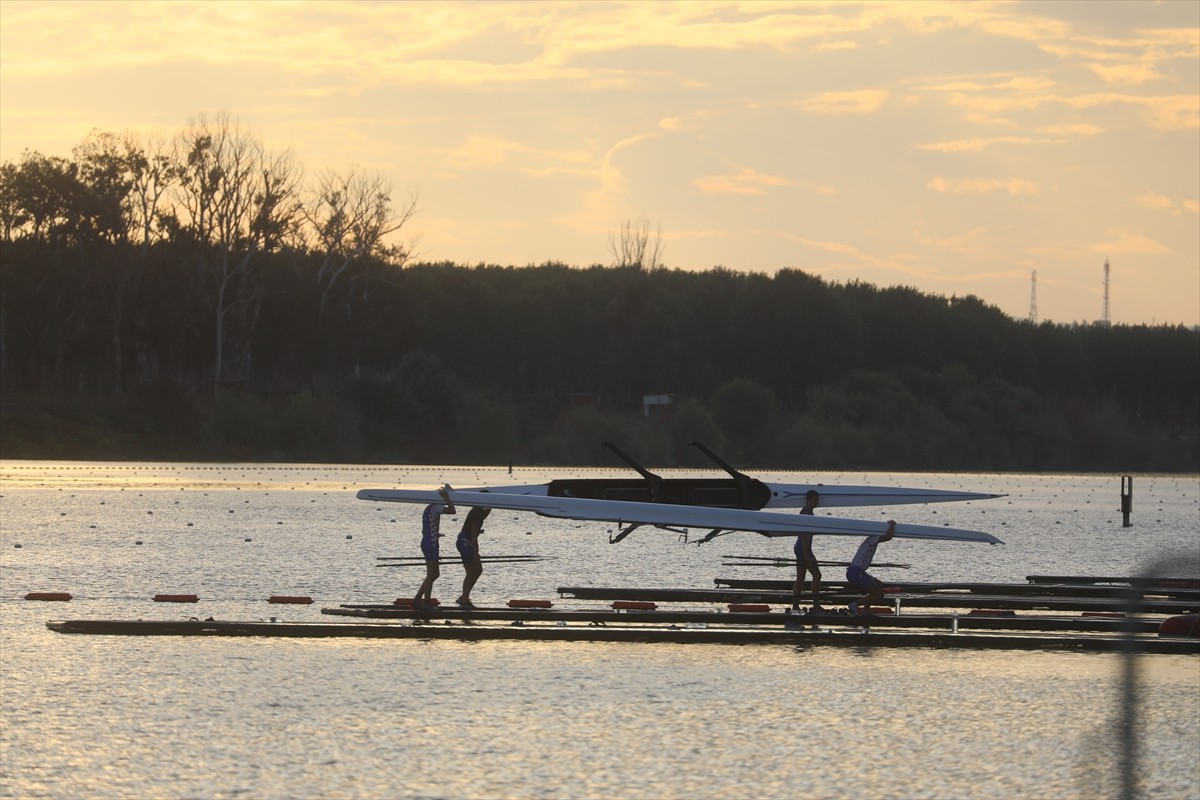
<point>128,717</point>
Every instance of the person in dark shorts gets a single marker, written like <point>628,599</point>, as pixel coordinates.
<point>857,574</point>
<point>805,560</point>
<point>468,547</point>
<point>431,523</point>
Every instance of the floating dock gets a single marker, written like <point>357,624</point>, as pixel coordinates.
<point>801,636</point>
<point>1061,615</point>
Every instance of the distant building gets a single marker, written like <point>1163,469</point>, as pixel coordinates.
<point>656,403</point>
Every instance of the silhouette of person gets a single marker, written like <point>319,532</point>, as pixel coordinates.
<point>468,547</point>
<point>805,560</point>
<point>857,574</point>
<point>431,523</point>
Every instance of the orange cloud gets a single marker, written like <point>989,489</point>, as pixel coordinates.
<point>970,145</point>
<point>1149,199</point>
<point>1127,242</point>
<point>748,181</point>
<point>863,101</point>
<point>1126,73</point>
<point>1013,186</point>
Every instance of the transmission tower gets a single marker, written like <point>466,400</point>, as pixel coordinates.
<point>1033,300</point>
<point>1105,320</point>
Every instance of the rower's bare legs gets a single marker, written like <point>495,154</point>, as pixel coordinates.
<point>474,570</point>
<point>874,596</point>
<point>425,593</point>
<point>806,562</point>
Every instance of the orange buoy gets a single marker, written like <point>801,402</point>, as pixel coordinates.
<point>48,596</point>
<point>283,598</point>
<point>176,598</point>
<point>529,604</point>
<point>751,607</point>
<point>634,605</point>
<point>991,612</point>
<point>407,602</point>
<point>1181,625</point>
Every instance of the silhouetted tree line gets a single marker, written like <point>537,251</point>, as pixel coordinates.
<point>197,298</point>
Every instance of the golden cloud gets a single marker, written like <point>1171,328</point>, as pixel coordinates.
<point>1013,186</point>
<point>1149,199</point>
<point>1126,73</point>
<point>844,44</point>
<point>748,181</point>
<point>971,145</point>
<point>483,152</point>
<point>1127,242</point>
<point>862,101</point>
<point>1073,129</point>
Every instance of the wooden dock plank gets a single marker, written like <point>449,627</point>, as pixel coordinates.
<point>625,633</point>
<point>1077,624</point>
<point>944,599</point>
<point>1017,589</point>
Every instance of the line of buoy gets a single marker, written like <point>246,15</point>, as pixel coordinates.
<point>62,596</point>
<point>188,598</point>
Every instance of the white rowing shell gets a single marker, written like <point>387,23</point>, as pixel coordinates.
<point>767,523</point>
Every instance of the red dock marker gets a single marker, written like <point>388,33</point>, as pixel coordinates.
<point>529,604</point>
<point>176,598</point>
<point>63,596</point>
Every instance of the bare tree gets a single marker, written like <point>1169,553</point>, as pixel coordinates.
<point>154,170</point>
<point>240,204</point>
<point>350,217</point>
<point>635,245</point>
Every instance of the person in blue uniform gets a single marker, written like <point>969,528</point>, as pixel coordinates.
<point>857,573</point>
<point>468,547</point>
<point>431,524</point>
<point>805,560</point>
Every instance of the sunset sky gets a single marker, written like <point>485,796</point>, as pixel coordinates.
<point>952,147</point>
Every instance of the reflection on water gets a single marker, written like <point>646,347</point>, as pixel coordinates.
<point>99,717</point>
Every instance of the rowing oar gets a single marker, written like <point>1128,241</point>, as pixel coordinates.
<point>791,562</point>
<point>423,562</point>
<point>481,558</point>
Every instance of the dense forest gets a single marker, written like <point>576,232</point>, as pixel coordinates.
<point>197,299</point>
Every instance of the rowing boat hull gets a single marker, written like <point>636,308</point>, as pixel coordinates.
<point>767,523</point>
<point>727,493</point>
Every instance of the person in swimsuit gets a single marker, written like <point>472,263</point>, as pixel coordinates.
<point>431,523</point>
<point>805,560</point>
<point>857,574</point>
<point>468,547</point>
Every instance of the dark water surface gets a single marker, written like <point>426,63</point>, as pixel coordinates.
<point>129,717</point>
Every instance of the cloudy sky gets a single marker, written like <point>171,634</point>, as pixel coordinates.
<point>952,147</point>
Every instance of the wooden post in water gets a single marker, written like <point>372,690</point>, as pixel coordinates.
<point>1126,499</point>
